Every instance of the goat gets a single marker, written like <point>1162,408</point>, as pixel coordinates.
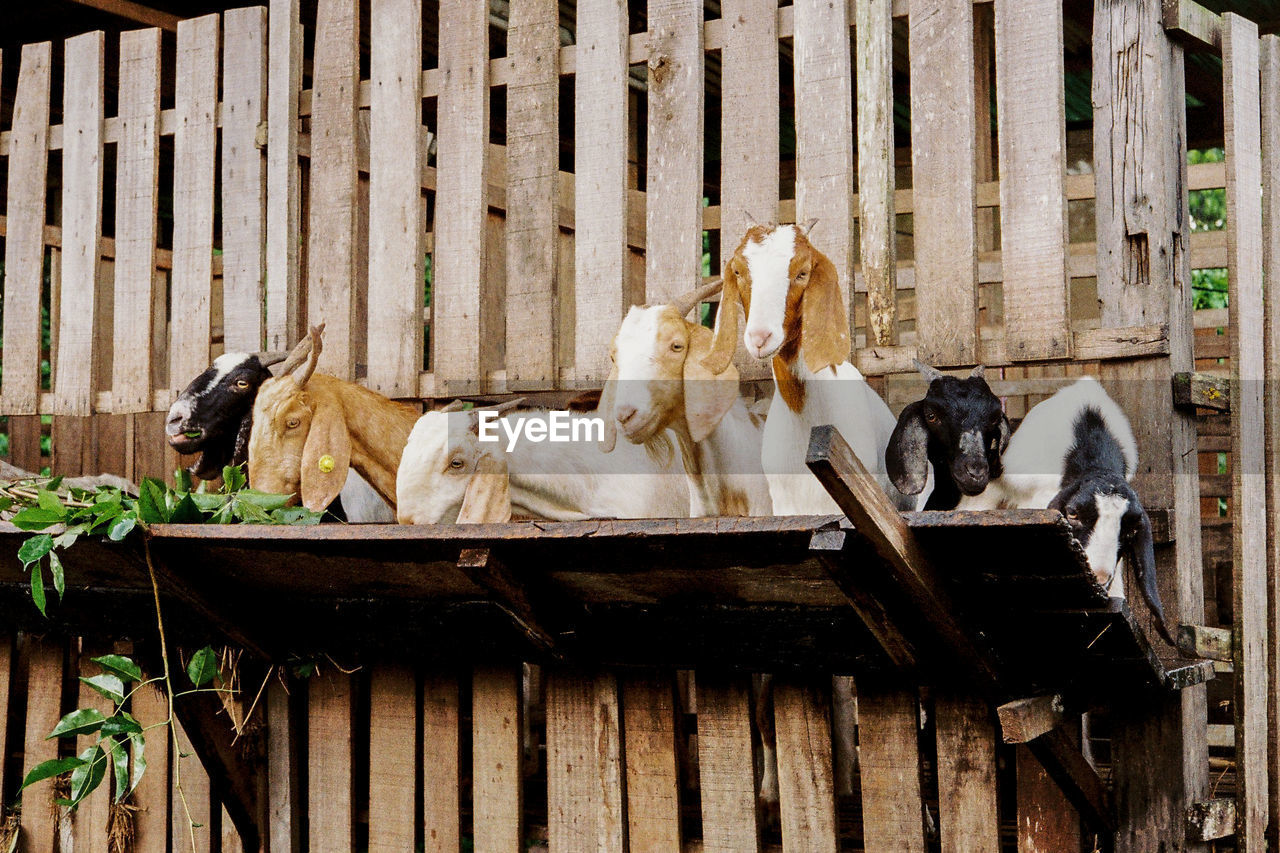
<point>309,430</point>
<point>955,435</point>
<point>1075,452</point>
<point>213,417</point>
<point>796,316</point>
<point>658,383</point>
<point>448,473</point>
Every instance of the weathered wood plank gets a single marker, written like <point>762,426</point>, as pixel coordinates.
<point>6,682</point>
<point>1241,106</point>
<point>396,229</point>
<point>1033,203</point>
<point>892,811</point>
<point>600,196</point>
<point>192,802</point>
<point>877,220</point>
<point>151,821</point>
<point>44,709</point>
<point>244,105</point>
<point>137,200</point>
<point>942,112</point>
<point>195,164</point>
<point>533,196</point>
<point>1026,719</point>
<point>331,815</point>
<point>673,192</point>
<point>1192,22</point>
<point>24,247</point>
<point>331,245</point>
<point>726,773</point>
<point>393,716</point>
<point>584,763</point>
<point>1046,821</point>
<point>824,132</point>
<point>457,311</point>
<point>74,367</point>
<point>284,182</point>
<point>284,827</point>
<point>806,779</point>
<point>496,758</point>
<point>967,800</point>
<point>1201,390</point>
<point>90,818</point>
<point>440,752</point>
<point>1211,819</point>
<point>653,784</point>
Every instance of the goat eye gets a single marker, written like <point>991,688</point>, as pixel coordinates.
<point>455,464</point>
<point>1072,515</point>
<point>241,383</point>
<point>292,423</point>
<point>676,346</point>
<point>931,417</point>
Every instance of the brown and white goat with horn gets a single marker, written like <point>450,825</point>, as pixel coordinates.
<point>309,430</point>
<point>659,384</point>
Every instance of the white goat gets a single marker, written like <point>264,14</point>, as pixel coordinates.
<point>659,384</point>
<point>796,316</point>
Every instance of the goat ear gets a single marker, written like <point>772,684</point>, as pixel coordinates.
<point>605,410</point>
<point>906,459</point>
<point>1141,555</point>
<point>326,457</point>
<point>488,494</point>
<point>725,340</point>
<point>708,396</point>
<point>824,319</point>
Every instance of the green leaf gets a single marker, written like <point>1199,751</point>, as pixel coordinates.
<point>37,588</point>
<point>68,537</point>
<point>5,502</point>
<point>121,724</point>
<point>89,774</point>
<point>233,479</point>
<point>138,746</point>
<point>186,512</point>
<point>59,577</point>
<point>151,502</point>
<point>203,667</point>
<point>49,769</point>
<point>250,513</point>
<point>296,515</point>
<point>121,666</point>
<point>209,502</point>
<point>120,763</point>
<point>34,548</point>
<point>121,528</point>
<point>48,500</point>
<point>79,722</point>
<point>35,518</point>
<point>182,480</point>
<point>108,685</point>
<point>262,499</point>
<point>54,484</point>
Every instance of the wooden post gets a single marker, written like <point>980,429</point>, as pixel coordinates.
<point>90,818</point>
<point>806,779</point>
<point>892,810</point>
<point>192,801</point>
<point>877,215</point>
<point>6,682</point>
<point>329,767</point>
<point>44,709</point>
<point>584,763</point>
<point>653,784</point>
<point>725,765</point>
<point>284,182</point>
<point>151,822</point>
<point>497,801</point>
<point>393,715</point>
<point>967,799</point>
<point>1046,821</point>
<point>440,751</point>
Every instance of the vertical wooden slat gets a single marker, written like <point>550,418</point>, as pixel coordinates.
<point>600,183</point>
<point>1241,111</point>
<point>74,379</point>
<point>726,772</point>
<point>942,130</point>
<point>284,181</point>
<point>393,716</point>
<point>44,709</point>
<point>230,839</point>
<point>673,191</point>
<point>461,198</point>
<point>892,812</point>
<point>1270,97</point>
<point>151,821</point>
<point>1046,821</point>
<point>331,244</point>
<point>824,131</point>
<point>244,104</point>
<point>806,784</point>
<point>440,763</point>
<point>90,818</point>
<point>653,783</point>
<point>192,800</point>
<point>966,776</point>
<point>6,680</point>
<point>584,764</point>
<point>395,198</point>
<point>195,162</point>
<point>1033,203</point>
<point>533,195</point>
<point>496,758</point>
<point>137,199</point>
<point>876,212</point>
<point>284,827</point>
<point>329,767</point>
<point>24,241</point>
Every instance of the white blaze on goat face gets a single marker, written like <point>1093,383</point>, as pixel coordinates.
<point>769,266</point>
<point>649,351</point>
<point>435,469</point>
<point>1103,546</point>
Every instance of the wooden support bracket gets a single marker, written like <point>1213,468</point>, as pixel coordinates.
<point>874,517</point>
<point>486,570</point>
<point>1023,720</point>
<point>1204,642</point>
<point>1201,391</point>
<point>1211,819</point>
<point>1192,23</point>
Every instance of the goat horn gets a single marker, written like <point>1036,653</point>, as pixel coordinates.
<point>266,359</point>
<point>689,301</point>
<point>752,220</point>
<point>507,406</point>
<point>929,373</point>
<point>452,406</point>
<point>978,372</point>
<point>317,346</point>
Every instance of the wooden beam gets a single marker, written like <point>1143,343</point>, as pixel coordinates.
<point>1211,819</point>
<point>1201,390</point>
<point>1192,23</point>
<point>487,571</point>
<point>1023,720</point>
<point>1205,642</point>
<point>135,12</point>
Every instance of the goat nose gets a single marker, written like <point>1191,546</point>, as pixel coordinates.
<point>760,338</point>
<point>625,413</point>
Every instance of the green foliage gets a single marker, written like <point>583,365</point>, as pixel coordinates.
<point>1208,211</point>
<point>203,667</point>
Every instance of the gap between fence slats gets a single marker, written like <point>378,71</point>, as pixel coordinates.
<point>393,715</point>
<point>24,250</point>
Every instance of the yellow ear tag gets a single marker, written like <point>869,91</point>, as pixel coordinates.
<point>326,464</point>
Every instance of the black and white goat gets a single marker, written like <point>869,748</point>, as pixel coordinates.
<point>213,417</point>
<point>957,433</point>
<point>1075,452</point>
